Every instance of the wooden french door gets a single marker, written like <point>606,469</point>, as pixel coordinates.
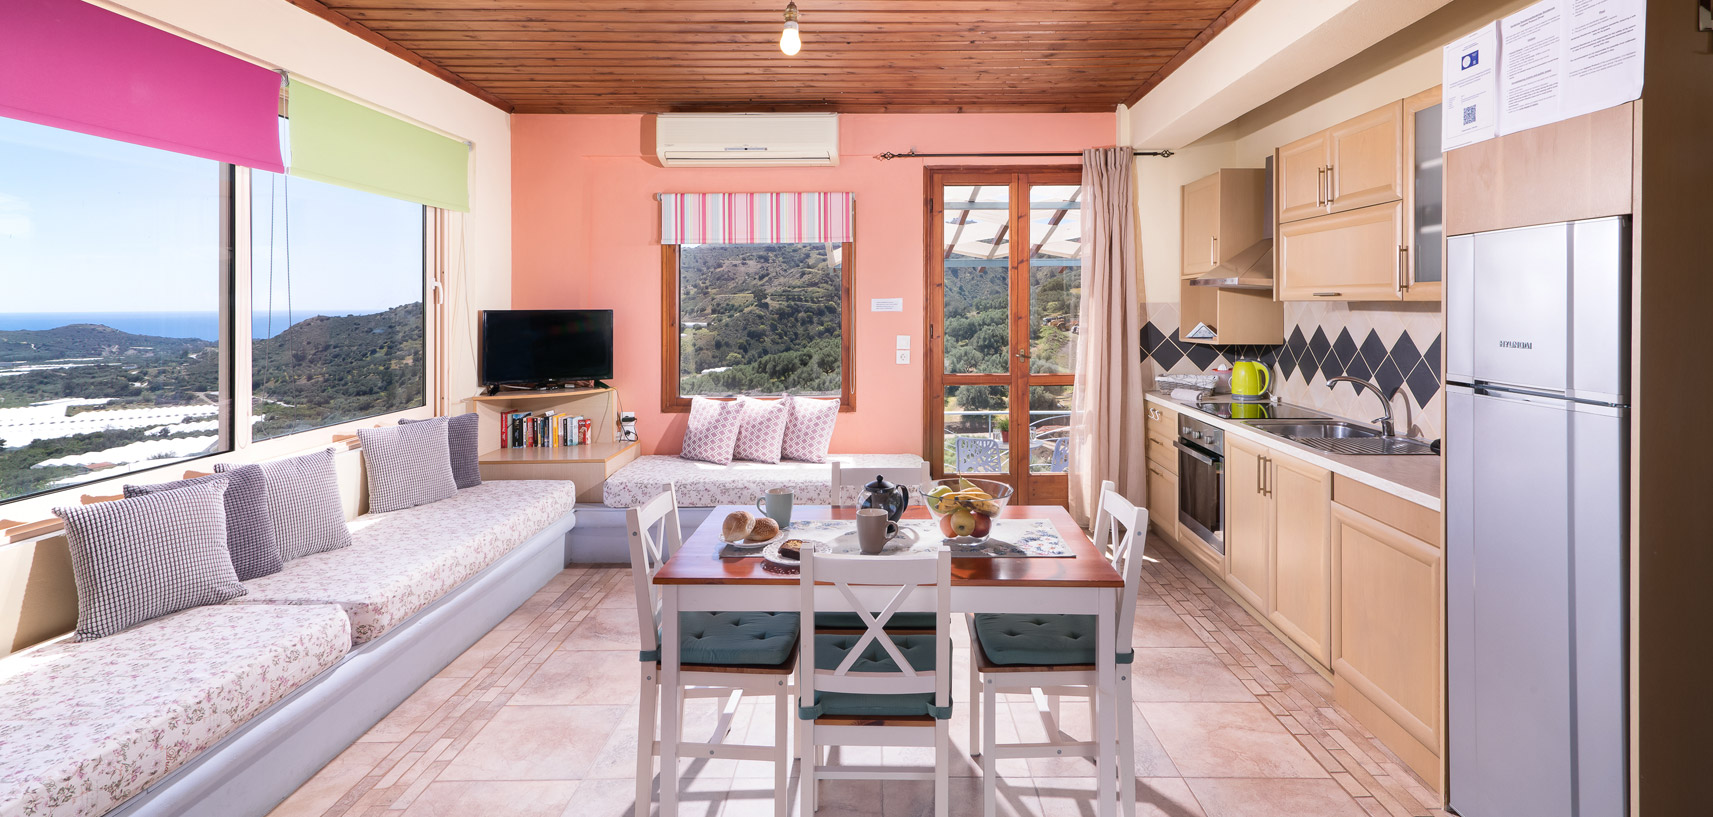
<point>1004,283</point>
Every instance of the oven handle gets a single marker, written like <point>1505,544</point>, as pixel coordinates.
<point>1194,452</point>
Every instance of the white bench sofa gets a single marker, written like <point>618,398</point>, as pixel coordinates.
<point>223,711</point>
<point>601,534</point>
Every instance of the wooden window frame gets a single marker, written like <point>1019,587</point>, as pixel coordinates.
<point>673,403</point>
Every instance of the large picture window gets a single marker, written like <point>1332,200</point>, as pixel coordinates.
<point>757,320</point>
<point>114,267</point>
<point>336,293</point>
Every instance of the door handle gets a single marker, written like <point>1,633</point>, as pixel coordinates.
<point>1331,184</point>
<point>1328,294</point>
<point>1023,353</point>
<point>1320,186</point>
<point>1213,251</point>
<point>1403,268</point>
<point>1270,472</point>
<point>1192,453</point>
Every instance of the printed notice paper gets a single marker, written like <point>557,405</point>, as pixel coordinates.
<point>886,305</point>
<point>1471,88</point>
<point>1565,58</point>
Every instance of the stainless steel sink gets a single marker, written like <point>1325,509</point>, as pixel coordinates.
<point>1313,429</point>
<point>1340,437</point>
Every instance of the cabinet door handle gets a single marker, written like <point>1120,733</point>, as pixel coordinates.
<point>1331,184</point>
<point>1403,268</point>
<point>1320,186</point>
<point>1213,251</point>
<point>1271,474</point>
<point>1328,294</point>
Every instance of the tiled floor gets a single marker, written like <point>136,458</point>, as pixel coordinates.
<point>538,719</point>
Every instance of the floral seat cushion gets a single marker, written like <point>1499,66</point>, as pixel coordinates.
<point>84,727</point>
<point>704,485</point>
<point>400,562</point>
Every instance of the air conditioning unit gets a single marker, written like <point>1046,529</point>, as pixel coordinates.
<point>747,139</point>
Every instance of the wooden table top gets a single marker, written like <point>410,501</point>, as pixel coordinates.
<point>699,562</point>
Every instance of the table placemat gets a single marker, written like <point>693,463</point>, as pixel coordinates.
<point>1011,538</point>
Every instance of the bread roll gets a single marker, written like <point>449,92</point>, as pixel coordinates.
<point>738,526</point>
<point>764,530</point>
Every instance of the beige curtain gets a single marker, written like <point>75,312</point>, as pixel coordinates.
<point>1106,407</point>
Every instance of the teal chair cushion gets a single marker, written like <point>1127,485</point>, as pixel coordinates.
<point>733,639</point>
<point>830,652</point>
<point>899,621</point>
<point>1038,640</point>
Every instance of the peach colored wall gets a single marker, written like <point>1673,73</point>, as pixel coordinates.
<point>586,235</point>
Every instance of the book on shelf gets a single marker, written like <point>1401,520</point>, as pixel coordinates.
<point>547,429</point>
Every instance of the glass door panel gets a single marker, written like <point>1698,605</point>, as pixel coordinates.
<point>976,261</point>
<point>1049,437</point>
<point>977,430</point>
<point>1055,276</point>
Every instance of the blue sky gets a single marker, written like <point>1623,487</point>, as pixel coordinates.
<point>94,225</point>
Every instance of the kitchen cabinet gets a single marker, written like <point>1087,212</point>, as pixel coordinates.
<point>1248,521</point>
<point>1576,169</point>
<point>1161,429</point>
<point>1353,229</point>
<point>1223,215</point>
<point>1387,646</point>
<point>1237,316</point>
<point>1301,590</point>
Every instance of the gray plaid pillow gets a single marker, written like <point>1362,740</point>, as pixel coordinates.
<point>408,465</point>
<point>142,558</point>
<point>463,435</point>
<point>303,503</point>
<point>249,534</point>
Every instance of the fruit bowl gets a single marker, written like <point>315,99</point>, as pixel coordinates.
<point>965,508</point>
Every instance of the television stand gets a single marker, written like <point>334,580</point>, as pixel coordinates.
<point>573,385</point>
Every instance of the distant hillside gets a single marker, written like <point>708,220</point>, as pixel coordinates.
<point>329,370</point>
<point>771,315</point>
<point>88,340</point>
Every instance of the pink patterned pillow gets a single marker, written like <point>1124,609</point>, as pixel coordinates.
<point>810,432</point>
<point>713,431</point>
<point>763,432</point>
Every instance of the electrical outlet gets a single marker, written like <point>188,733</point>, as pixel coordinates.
<point>903,355</point>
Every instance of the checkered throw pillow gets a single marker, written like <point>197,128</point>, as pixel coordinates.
<point>463,435</point>
<point>249,533</point>
<point>762,433</point>
<point>303,504</point>
<point>713,430</point>
<point>142,558</point>
<point>408,465</point>
<point>809,432</point>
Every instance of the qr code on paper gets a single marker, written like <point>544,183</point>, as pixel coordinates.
<point>1469,114</point>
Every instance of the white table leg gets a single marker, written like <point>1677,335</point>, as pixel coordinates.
<point>1106,725</point>
<point>671,705</point>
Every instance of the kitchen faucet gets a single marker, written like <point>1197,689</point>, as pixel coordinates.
<point>1386,429</point>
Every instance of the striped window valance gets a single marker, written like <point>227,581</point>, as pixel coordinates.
<point>756,218</point>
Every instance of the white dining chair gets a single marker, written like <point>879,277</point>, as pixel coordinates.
<point>876,688</point>
<point>722,655</point>
<point>848,481</point>
<point>1053,656</point>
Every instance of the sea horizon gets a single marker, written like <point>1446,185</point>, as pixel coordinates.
<point>199,325</point>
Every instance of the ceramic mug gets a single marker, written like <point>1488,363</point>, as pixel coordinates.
<point>874,530</point>
<point>776,505</point>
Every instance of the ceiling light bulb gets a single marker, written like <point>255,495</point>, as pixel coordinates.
<point>790,41</point>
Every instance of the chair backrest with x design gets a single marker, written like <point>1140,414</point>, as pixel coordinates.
<point>865,583</point>
<point>1121,534</point>
<point>654,536</point>
<point>848,481</point>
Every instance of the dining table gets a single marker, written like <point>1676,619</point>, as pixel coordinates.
<point>698,578</point>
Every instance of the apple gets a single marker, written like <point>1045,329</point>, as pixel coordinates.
<point>946,526</point>
<point>983,525</point>
<point>963,522</point>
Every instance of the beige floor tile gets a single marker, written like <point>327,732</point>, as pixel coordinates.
<point>333,781</point>
<point>1184,674</point>
<point>1274,798</point>
<point>1165,797</point>
<point>582,678</point>
<point>1016,797</point>
<point>479,654</point>
<point>415,710</point>
<point>513,798</point>
<point>1157,626</point>
<point>610,628</point>
<point>617,798</point>
<point>1228,740</point>
<point>536,743</point>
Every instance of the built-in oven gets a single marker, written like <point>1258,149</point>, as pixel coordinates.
<point>1201,481</point>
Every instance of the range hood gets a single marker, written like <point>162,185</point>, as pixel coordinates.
<point>1252,268</point>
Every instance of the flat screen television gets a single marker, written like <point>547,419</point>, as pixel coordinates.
<point>546,347</point>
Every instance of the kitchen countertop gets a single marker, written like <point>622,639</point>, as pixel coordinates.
<point>1412,477</point>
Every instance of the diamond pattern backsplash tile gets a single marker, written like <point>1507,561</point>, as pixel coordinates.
<point>1325,340</point>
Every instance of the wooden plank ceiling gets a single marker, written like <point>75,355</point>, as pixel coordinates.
<point>607,56</point>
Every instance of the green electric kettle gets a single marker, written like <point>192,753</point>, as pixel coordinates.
<point>1250,379</point>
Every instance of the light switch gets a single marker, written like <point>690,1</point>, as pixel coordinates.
<point>903,341</point>
<point>903,355</point>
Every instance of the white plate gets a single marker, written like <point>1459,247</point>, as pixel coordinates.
<point>744,544</point>
<point>771,552</point>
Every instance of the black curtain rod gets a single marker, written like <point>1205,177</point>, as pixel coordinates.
<point>889,155</point>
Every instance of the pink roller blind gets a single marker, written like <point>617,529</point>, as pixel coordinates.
<point>71,65</point>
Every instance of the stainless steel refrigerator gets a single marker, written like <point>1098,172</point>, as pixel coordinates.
<point>1536,456</point>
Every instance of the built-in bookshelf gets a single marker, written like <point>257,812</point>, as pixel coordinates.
<point>588,465</point>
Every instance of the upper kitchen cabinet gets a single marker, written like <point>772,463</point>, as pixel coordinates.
<point>1359,208</point>
<point>1222,216</point>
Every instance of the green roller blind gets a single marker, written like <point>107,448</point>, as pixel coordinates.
<point>341,142</point>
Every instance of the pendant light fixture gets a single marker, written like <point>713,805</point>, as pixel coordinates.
<point>789,40</point>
